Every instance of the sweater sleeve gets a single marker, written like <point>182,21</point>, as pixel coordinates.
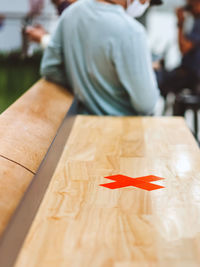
<point>52,65</point>
<point>134,69</point>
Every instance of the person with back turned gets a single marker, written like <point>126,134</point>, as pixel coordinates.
<point>99,51</point>
<point>187,75</point>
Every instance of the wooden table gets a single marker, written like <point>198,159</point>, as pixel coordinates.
<point>82,224</point>
<point>27,129</point>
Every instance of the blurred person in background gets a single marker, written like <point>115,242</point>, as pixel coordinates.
<point>100,52</point>
<point>37,33</point>
<point>1,20</point>
<point>187,75</point>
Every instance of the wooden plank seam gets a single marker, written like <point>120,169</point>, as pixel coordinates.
<point>13,161</point>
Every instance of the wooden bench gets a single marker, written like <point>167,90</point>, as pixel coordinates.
<point>27,128</point>
<point>81,223</point>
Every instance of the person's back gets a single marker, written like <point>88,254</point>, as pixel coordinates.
<point>187,75</point>
<point>191,60</point>
<point>106,61</point>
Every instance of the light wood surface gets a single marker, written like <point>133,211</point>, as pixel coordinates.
<point>13,182</point>
<point>27,129</point>
<point>81,224</point>
<point>29,125</point>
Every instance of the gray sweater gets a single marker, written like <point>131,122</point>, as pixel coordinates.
<point>101,53</point>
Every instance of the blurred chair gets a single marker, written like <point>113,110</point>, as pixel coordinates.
<point>184,102</point>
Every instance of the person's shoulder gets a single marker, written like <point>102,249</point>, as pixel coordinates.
<point>131,28</point>
<point>135,26</point>
<point>72,8</point>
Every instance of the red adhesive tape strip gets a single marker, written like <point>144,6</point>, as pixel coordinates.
<point>140,182</point>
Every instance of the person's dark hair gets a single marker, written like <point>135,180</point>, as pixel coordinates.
<point>156,2</point>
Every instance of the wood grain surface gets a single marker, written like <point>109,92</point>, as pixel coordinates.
<point>27,129</point>
<point>13,183</point>
<point>29,125</point>
<point>80,224</point>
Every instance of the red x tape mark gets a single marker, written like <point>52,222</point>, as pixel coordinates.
<point>140,182</point>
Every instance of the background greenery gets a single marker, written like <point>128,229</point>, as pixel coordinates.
<point>16,76</point>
